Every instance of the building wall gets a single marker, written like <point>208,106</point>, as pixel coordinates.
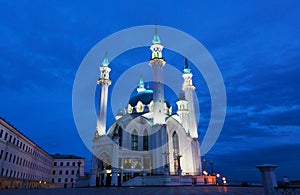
<point>20,158</point>
<point>65,171</point>
<point>23,164</point>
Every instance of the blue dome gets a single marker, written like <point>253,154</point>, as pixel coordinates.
<point>145,97</point>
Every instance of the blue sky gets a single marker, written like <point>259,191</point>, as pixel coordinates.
<point>255,44</point>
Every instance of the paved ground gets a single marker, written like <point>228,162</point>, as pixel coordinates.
<point>211,190</point>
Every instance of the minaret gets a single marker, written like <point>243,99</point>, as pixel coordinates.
<point>189,89</point>
<point>104,83</point>
<point>183,112</point>
<point>157,62</point>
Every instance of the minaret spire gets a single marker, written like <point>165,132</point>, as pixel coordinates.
<point>104,82</point>
<point>156,39</point>
<point>157,63</point>
<point>189,89</point>
<point>141,86</point>
<point>105,61</point>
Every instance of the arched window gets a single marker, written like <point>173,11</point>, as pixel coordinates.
<point>134,140</point>
<point>181,107</point>
<point>175,150</point>
<point>145,141</point>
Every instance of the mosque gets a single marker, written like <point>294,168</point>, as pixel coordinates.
<point>147,144</point>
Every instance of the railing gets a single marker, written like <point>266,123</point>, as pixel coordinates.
<point>287,190</point>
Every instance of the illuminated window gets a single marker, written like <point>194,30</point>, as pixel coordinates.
<point>127,163</point>
<point>181,107</point>
<point>137,163</point>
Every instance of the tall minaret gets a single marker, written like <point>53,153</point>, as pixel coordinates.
<point>189,89</point>
<point>157,62</point>
<point>104,83</point>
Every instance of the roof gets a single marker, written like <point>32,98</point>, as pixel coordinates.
<point>18,131</point>
<point>145,97</point>
<point>65,156</point>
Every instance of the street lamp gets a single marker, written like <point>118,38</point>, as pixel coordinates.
<point>212,167</point>
<point>204,164</point>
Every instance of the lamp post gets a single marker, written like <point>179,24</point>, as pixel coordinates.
<point>99,174</point>
<point>212,167</point>
<point>166,170</point>
<point>204,165</point>
<point>179,166</point>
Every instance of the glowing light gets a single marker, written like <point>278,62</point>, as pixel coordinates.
<point>218,175</point>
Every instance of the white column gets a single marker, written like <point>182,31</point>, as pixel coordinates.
<point>158,94</point>
<point>101,122</point>
<point>114,177</point>
<point>268,178</point>
<point>157,62</point>
<point>189,88</point>
<point>92,180</point>
<point>104,83</point>
<point>183,114</point>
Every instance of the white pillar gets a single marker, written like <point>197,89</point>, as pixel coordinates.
<point>101,122</point>
<point>93,173</point>
<point>189,95</point>
<point>104,83</point>
<point>268,178</point>
<point>114,177</point>
<point>158,94</point>
<point>157,62</point>
<point>183,113</point>
<point>189,89</point>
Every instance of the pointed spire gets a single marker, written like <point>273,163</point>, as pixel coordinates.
<point>105,61</point>
<point>155,39</point>
<point>181,96</point>
<point>141,86</point>
<point>186,66</point>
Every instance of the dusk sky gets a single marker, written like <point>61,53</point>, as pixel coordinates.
<point>255,44</point>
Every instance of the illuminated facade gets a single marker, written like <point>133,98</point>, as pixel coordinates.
<point>147,140</point>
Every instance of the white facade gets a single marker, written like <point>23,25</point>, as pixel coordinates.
<point>23,164</point>
<point>66,169</point>
<point>148,139</point>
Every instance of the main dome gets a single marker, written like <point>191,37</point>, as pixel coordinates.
<point>145,97</point>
